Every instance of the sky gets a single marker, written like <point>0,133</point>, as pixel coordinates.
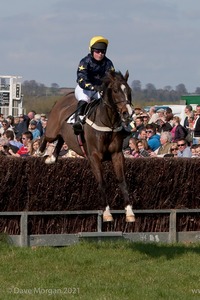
<point>157,41</point>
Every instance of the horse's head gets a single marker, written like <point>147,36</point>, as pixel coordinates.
<point>119,94</point>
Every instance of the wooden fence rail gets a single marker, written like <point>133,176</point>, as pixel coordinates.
<point>25,239</point>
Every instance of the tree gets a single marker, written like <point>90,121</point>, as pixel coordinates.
<point>181,89</point>
<point>168,88</point>
<point>54,88</point>
<point>150,91</point>
<point>197,91</point>
<point>136,86</point>
<point>33,88</point>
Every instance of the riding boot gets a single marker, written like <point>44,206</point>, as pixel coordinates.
<point>77,126</point>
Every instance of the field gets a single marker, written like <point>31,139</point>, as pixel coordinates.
<point>106,270</point>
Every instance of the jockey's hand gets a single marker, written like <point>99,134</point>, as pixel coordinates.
<point>98,88</point>
<point>101,93</point>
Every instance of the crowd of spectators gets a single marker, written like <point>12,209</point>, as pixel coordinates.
<point>160,134</point>
<point>21,136</point>
<point>151,134</point>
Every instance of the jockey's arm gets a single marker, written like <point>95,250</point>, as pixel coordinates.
<point>82,77</point>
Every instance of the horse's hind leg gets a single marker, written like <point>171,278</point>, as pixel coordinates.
<point>118,164</point>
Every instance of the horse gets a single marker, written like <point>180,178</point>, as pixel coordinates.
<point>103,133</point>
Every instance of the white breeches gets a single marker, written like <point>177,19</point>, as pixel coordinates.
<point>85,95</point>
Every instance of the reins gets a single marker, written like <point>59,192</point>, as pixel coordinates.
<point>92,108</point>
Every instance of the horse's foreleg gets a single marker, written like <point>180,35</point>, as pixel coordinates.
<point>53,157</point>
<point>96,166</point>
<point>58,146</point>
<point>42,146</point>
<point>118,164</point>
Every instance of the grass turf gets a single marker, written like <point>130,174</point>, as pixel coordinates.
<point>106,270</point>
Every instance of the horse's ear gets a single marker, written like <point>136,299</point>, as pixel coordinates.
<point>126,76</point>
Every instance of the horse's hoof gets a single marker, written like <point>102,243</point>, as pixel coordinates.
<point>50,160</point>
<point>130,217</point>
<point>107,216</point>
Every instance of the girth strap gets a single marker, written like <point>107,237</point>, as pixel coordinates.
<point>102,128</point>
<point>81,145</point>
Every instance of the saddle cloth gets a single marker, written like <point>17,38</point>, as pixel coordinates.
<point>71,119</point>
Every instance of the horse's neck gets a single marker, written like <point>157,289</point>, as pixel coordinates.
<point>107,115</point>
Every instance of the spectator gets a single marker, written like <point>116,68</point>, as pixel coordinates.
<point>194,150</point>
<point>10,120</point>
<point>72,154</point>
<point>178,131</point>
<point>139,126</point>
<point>64,151</point>
<point>198,150</point>
<point>183,148</point>
<point>196,139</point>
<point>133,150</point>
<point>34,147</point>
<point>153,115</point>
<point>161,113</point>
<point>44,125</point>
<point>9,135</point>
<point>137,112</point>
<point>39,123</point>
<point>31,115</point>
<point>191,122</point>
<point>145,118</point>
<point>169,116</point>
<point>165,140</point>
<point>174,149</point>
<point>35,132</point>
<point>142,134</point>
<point>22,126</point>
<point>1,119</point>
<point>163,125</point>
<point>153,139</point>
<point>24,150</point>
<point>5,126</point>
<point>189,113</point>
<point>43,117</point>
<point>4,147</point>
<point>143,148</point>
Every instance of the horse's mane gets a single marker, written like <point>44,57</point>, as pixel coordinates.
<point>113,75</point>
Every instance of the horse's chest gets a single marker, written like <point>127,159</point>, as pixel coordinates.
<point>110,143</point>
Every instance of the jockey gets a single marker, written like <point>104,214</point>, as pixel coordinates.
<point>92,68</point>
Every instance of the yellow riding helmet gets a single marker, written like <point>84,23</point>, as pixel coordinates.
<point>97,39</point>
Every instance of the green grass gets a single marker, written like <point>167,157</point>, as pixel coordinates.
<point>106,270</point>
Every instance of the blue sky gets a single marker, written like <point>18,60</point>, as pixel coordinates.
<point>156,40</point>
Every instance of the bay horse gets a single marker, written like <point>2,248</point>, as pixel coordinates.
<point>103,135</point>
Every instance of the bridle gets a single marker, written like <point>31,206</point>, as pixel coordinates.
<point>114,94</point>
